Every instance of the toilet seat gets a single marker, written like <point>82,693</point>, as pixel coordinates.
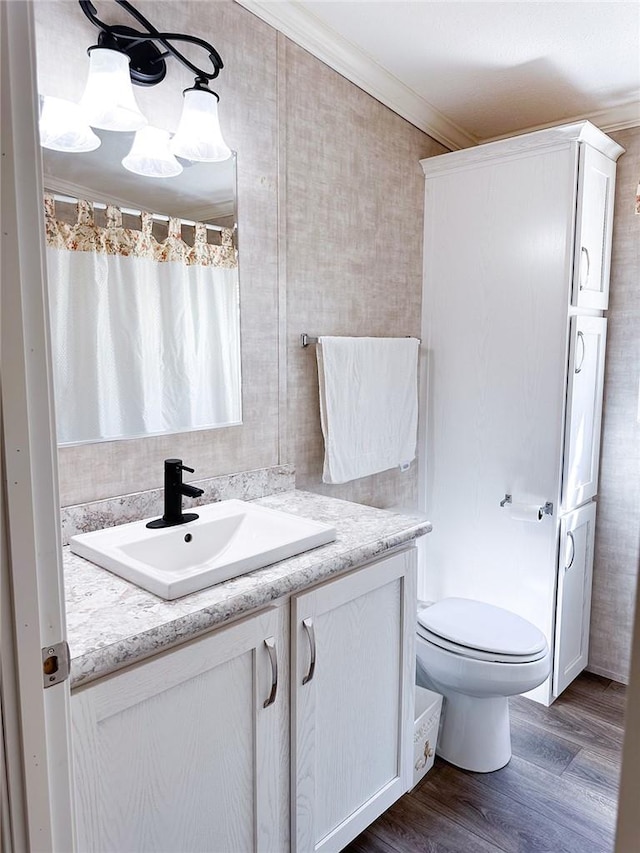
<point>481,631</point>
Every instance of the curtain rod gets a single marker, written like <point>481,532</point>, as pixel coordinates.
<point>161,217</point>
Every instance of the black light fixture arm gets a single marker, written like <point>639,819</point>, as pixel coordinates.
<point>147,65</point>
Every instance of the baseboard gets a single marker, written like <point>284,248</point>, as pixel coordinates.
<point>605,673</point>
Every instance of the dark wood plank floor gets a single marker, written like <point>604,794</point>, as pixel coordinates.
<point>558,793</point>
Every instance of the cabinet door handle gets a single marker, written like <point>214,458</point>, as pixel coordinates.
<point>573,550</point>
<point>584,252</point>
<point>270,643</point>
<point>307,624</point>
<point>584,352</point>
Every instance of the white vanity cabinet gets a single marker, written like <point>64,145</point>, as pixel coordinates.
<point>353,683</point>
<point>180,753</point>
<point>517,246</point>
<point>195,749</point>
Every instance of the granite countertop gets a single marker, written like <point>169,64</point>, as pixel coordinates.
<point>111,623</point>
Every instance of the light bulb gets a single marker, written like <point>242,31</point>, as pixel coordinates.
<point>108,100</point>
<point>199,136</point>
<point>150,155</point>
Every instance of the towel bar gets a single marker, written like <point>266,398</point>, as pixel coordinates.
<point>306,340</point>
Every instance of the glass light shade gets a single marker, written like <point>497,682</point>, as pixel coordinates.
<point>150,155</point>
<point>63,127</point>
<point>199,136</point>
<point>108,100</point>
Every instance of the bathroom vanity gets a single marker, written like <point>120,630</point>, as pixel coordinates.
<point>273,712</point>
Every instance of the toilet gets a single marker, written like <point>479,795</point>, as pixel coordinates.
<point>476,655</point>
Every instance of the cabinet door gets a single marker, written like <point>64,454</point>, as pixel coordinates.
<point>584,410</point>
<point>179,753</point>
<point>353,674</point>
<point>574,596</point>
<point>592,260</point>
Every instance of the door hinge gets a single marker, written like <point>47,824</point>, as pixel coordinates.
<point>56,662</point>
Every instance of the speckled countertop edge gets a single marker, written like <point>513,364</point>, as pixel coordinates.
<point>112,623</point>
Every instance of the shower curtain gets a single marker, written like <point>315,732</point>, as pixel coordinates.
<point>145,334</point>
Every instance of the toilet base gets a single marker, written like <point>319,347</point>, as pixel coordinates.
<point>474,733</point>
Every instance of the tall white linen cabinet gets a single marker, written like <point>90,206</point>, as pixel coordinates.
<point>517,252</point>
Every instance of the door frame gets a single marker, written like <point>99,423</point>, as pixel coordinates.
<point>36,718</point>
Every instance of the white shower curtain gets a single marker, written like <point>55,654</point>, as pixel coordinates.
<point>140,346</point>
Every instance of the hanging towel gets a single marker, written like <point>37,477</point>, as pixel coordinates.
<point>368,404</point>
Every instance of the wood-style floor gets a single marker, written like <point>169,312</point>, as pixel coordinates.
<point>557,795</point>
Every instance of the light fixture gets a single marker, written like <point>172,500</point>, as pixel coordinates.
<point>124,55</point>
<point>63,127</point>
<point>199,136</point>
<point>150,155</point>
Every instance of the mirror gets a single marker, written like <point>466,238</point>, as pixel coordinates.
<point>144,295</point>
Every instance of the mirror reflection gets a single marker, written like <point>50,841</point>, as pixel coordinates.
<point>144,295</point>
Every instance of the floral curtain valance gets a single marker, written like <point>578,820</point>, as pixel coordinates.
<point>114,239</point>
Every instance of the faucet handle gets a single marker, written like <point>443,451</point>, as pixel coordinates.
<point>176,465</point>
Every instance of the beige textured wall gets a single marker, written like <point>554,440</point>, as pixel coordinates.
<point>354,222</point>
<point>617,549</point>
<point>330,234</point>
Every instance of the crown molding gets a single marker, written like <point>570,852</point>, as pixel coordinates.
<point>221,210</point>
<point>612,119</point>
<point>338,53</point>
<point>75,191</point>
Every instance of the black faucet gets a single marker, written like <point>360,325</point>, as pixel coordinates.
<point>174,489</point>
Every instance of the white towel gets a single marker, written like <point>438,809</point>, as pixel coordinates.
<point>368,404</point>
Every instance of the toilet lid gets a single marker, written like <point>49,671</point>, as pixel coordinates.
<point>477,654</point>
<point>482,627</point>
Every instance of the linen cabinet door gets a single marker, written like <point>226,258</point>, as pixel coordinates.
<point>584,410</point>
<point>353,675</point>
<point>592,260</point>
<point>180,753</point>
<point>571,651</point>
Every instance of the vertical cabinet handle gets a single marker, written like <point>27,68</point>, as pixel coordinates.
<point>307,624</point>
<point>584,253</point>
<point>584,352</point>
<point>270,643</point>
<point>573,550</point>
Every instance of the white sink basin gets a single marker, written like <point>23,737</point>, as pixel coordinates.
<point>228,539</point>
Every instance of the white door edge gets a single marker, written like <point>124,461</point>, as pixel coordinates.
<point>34,562</point>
